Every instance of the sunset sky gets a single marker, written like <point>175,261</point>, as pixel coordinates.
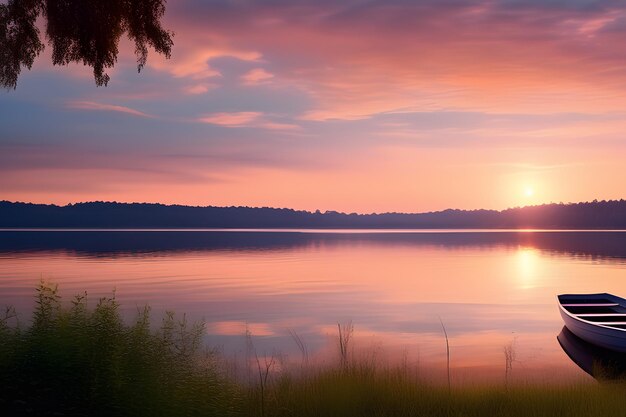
<point>356,106</point>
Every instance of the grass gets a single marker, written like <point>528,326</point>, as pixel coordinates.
<point>77,361</point>
<point>71,360</point>
<point>368,392</point>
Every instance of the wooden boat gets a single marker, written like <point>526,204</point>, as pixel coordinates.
<point>599,319</point>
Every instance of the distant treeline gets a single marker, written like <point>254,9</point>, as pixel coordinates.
<point>590,215</point>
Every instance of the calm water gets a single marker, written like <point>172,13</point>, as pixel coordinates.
<point>490,289</point>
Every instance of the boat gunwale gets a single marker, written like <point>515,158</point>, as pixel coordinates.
<point>592,323</point>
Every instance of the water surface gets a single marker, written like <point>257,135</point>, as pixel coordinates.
<point>490,289</point>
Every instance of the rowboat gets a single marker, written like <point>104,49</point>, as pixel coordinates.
<point>599,319</point>
<point>600,363</point>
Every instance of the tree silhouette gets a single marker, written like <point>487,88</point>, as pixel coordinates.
<point>86,31</point>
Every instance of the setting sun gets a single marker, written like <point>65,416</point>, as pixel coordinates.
<point>529,192</point>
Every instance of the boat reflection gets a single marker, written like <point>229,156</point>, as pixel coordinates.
<point>600,363</point>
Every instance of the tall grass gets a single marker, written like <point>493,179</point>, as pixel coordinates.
<point>77,361</point>
<point>390,392</point>
<point>72,360</point>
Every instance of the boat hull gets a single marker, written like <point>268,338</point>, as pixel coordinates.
<point>612,339</point>
<point>599,335</point>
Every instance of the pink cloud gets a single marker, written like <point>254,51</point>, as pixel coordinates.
<point>256,76</point>
<point>279,126</point>
<point>192,59</point>
<point>200,88</point>
<point>246,119</point>
<point>91,105</point>
<point>361,60</point>
<point>236,119</point>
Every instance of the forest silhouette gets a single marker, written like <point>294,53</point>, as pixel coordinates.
<point>587,215</point>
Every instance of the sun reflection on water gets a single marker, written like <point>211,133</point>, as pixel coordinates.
<point>527,264</point>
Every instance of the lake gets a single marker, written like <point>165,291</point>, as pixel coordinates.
<point>490,289</point>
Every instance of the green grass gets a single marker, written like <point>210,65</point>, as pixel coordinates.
<point>77,361</point>
<point>71,360</point>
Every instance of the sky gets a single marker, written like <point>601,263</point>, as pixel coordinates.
<point>355,106</point>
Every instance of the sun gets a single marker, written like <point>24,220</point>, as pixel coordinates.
<point>529,191</point>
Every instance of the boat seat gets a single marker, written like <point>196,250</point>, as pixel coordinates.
<point>590,305</point>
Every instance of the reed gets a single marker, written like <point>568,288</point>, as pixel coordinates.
<point>345,336</point>
<point>445,334</point>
